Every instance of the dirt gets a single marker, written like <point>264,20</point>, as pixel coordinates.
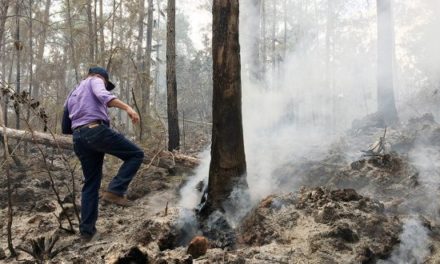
<point>345,207</point>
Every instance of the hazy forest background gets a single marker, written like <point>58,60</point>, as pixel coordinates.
<point>309,60</point>
<point>320,81</point>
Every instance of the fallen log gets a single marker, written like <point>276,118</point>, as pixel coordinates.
<point>57,141</point>
<point>165,159</point>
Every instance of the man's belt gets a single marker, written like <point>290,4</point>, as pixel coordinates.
<point>90,125</point>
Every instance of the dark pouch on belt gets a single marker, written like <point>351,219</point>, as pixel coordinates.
<point>66,123</point>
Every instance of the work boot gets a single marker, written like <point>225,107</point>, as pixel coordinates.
<point>87,238</point>
<point>116,199</point>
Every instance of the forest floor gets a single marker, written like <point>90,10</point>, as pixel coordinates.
<point>343,208</point>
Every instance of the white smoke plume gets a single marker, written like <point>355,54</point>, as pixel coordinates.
<point>414,246</point>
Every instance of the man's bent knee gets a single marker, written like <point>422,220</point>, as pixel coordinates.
<point>139,155</point>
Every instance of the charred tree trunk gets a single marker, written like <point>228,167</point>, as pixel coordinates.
<point>385,54</point>
<point>228,164</point>
<point>173,116</point>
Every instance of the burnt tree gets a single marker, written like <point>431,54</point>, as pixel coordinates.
<point>228,164</point>
<point>173,116</point>
<point>385,55</point>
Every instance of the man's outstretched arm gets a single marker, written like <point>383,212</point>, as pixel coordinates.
<point>121,105</point>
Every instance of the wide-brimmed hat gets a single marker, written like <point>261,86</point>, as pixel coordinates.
<point>103,72</point>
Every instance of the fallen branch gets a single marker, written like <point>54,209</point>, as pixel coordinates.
<point>64,142</point>
<point>166,158</point>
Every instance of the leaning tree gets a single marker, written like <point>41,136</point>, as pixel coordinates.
<point>228,164</point>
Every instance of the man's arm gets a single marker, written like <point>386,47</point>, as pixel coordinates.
<point>121,105</point>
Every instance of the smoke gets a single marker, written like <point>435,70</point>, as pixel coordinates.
<point>425,159</point>
<point>414,246</point>
<point>307,99</point>
<point>319,81</point>
<point>191,192</point>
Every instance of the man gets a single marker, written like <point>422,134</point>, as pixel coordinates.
<point>92,139</point>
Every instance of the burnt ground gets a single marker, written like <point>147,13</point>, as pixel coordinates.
<point>344,208</point>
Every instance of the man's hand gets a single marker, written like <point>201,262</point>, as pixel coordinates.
<point>133,115</point>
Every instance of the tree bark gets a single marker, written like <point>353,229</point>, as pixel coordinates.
<point>95,30</point>
<point>112,36</point>
<point>4,7</point>
<point>385,54</point>
<point>146,90</point>
<point>71,43</point>
<point>18,48</point>
<point>40,52</point>
<point>91,33</point>
<point>140,76</point>
<point>227,169</point>
<point>63,142</point>
<point>173,116</point>
<point>101,33</point>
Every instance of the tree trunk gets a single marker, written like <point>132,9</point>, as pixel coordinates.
<point>385,54</point>
<point>91,33</point>
<point>173,116</point>
<point>255,57</point>
<point>329,67</point>
<point>31,59</point>
<point>18,48</point>
<point>140,83</point>
<point>285,30</point>
<point>101,34</point>
<point>4,7</point>
<point>157,69</point>
<point>263,37</point>
<point>40,52</point>
<point>274,39</point>
<point>95,31</point>
<point>112,37</point>
<point>227,170</point>
<point>146,89</point>
<point>71,43</point>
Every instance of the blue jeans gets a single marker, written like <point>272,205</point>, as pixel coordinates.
<point>90,145</point>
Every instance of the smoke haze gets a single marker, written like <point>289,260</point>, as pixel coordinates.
<point>328,78</point>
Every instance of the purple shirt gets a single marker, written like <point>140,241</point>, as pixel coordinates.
<point>88,102</point>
